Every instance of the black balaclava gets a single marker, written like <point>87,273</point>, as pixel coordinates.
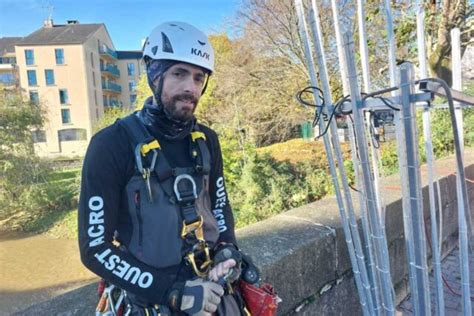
<point>155,116</point>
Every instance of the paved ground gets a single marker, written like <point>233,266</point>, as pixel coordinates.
<point>452,299</point>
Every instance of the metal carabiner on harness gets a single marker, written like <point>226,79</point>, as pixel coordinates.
<point>140,151</point>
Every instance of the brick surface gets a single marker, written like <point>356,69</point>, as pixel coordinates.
<point>452,301</point>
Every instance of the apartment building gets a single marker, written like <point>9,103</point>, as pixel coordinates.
<point>8,71</point>
<point>75,72</point>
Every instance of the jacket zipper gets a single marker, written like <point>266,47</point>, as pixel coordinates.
<point>139,217</point>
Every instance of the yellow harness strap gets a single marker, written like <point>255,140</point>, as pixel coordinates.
<point>150,146</point>
<point>196,135</point>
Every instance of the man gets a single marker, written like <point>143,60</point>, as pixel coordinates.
<point>154,218</point>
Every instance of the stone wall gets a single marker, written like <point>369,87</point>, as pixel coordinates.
<point>303,252</point>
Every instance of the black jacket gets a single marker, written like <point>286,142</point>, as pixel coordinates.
<point>108,166</point>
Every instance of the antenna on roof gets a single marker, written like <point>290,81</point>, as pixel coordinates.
<point>49,9</point>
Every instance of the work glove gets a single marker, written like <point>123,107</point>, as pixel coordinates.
<point>200,297</point>
<point>227,263</point>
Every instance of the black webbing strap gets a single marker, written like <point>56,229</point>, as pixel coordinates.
<point>203,159</point>
<point>137,133</point>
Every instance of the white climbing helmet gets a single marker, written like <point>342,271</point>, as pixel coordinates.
<point>181,42</point>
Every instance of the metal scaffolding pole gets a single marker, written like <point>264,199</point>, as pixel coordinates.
<point>347,233</point>
<point>381,250</point>
<point>435,245</point>
<point>414,198</point>
<point>367,224</point>
<point>351,217</point>
<point>402,158</point>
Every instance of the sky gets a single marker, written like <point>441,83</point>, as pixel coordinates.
<point>127,21</point>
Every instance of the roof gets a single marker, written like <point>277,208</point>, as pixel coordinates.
<point>7,44</point>
<point>129,54</point>
<point>61,34</point>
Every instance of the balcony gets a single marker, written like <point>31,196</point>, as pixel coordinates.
<point>113,103</point>
<point>111,87</point>
<point>7,60</point>
<point>110,70</point>
<point>106,52</point>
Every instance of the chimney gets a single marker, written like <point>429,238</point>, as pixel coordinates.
<point>72,22</point>
<point>48,23</point>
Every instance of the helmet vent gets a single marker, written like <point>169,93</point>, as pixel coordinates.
<point>167,48</point>
<point>174,25</point>
<point>154,49</point>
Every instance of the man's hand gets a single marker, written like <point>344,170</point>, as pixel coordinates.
<point>200,297</point>
<point>221,269</point>
<point>227,262</point>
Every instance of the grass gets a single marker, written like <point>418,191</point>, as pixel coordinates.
<point>64,174</point>
<point>59,224</point>
<point>299,150</point>
<point>66,227</point>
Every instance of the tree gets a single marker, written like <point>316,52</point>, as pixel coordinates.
<point>110,116</point>
<point>143,91</point>
<point>19,167</point>
<point>441,20</point>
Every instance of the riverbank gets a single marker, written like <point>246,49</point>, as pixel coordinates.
<point>36,268</point>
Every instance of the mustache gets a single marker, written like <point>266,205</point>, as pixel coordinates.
<point>185,97</point>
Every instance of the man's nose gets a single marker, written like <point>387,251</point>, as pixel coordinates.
<point>191,86</point>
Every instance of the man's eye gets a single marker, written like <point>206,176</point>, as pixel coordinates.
<point>177,74</point>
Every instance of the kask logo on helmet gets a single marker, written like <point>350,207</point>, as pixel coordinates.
<point>199,53</point>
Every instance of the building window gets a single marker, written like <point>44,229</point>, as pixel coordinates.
<point>59,53</point>
<point>49,74</point>
<point>93,79</point>
<point>131,69</point>
<point>95,98</point>
<point>92,60</point>
<point>34,97</point>
<point>132,85</point>
<point>30,57</point>
<point>133,98</point>
<point>32,77</point>
<point>63,96</point>
<point>38,136</point>
<point>7,79</point>
<point>72,134</point>
<point>66,116</point>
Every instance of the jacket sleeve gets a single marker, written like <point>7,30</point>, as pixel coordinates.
<point>219,199</point>
<point>102,186</point>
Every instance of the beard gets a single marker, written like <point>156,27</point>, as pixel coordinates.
<point>176,112</point>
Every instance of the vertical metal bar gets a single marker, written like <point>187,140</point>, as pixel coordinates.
<point>381,249</point>
<point>364,59</point>
<point>463,220</point>
<point>351,218</point>
<point>457,78</point>
<point>347,233</point>
<point>369,235</point>
<point>436,249</point>
<point>400,136</point>
<point>415,198</point>
<point>367,88</point>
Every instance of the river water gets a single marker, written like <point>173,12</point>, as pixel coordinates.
<point>35,268</point>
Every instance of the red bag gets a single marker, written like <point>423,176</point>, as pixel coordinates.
<point>260,301</point>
